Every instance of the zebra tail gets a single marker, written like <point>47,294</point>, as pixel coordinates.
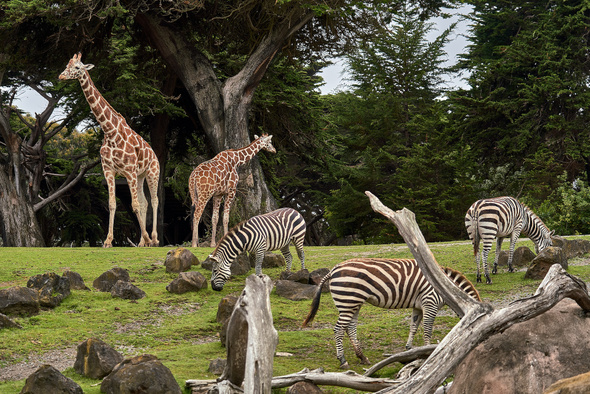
<point>315,303</point>
<point>476,239</point>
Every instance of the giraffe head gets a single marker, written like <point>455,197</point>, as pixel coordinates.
<point>265,142</point>
<point>75,68</point>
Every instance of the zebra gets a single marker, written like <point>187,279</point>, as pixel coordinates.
<point>499,218</point>
<point>386,283</point>
<point>271,231</point>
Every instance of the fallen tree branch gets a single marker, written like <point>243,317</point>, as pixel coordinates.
<point>349,379</point>
<point>403,357</point>
<point>479,321</point>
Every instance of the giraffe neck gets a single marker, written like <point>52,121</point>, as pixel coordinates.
<point>105,114</point>
<point>245,154</point>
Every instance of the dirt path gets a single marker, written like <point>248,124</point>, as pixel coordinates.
<point>59,359</point>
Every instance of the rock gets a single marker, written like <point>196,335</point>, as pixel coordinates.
<point>530,356</point>
<point>224,311</point>
<point>315,277</point>
<point>52,288</point>
<point>127,291</point>
<point>217,366</point>
<point>48,380</point>
<point>6,322</point>
<point>187,281</point>
<point>304,388</point>
<point>541,264</point>
<point>141,374</point>
<point>20,301</point>
<point>240,266</point>
<point>301,276</point>
<point>95,359</point>
<point>270,260</point>
<point>180,260</point>
<point>558,241</point>
<point>521,258</point>
<point>294,291</point>
<point>225,308</point>
<point>579,384</point>
<point>108,279</point>
<point>76,281</point>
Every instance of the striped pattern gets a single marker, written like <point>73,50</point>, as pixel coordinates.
<point>386,283</point>
<point>271,231</point>
<point>500,218</point>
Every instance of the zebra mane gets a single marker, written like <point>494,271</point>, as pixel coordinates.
<point>231,232</point>
<point>534,216</point>
<point>461,281</point>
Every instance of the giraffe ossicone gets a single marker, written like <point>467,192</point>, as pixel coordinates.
<point>123,152</point>
<point>218,178</point>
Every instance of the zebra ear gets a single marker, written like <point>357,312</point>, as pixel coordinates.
<point>213,258</point>
<point>552,233</point>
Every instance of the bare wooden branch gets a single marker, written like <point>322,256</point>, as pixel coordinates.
<point>349,379</point>
<point>251,339</point>
<point>480,321</point>
<point>403,357</point>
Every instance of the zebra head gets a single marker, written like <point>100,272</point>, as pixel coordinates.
<point>220,273</point>
<point>266,143</point>
<point>545,240</point>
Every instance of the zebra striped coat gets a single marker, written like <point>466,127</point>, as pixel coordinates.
<point>272,231</point>
<point>386,283</point>
<point>499,218</point>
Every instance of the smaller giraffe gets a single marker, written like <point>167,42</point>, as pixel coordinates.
<point>123,152</point>
<point>217,178</point>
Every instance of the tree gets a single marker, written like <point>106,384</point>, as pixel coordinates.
<point>523,114</point>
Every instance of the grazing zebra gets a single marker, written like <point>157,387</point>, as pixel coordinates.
<point>386,283</point>
<point>499,218</point>
<point>271,231</point>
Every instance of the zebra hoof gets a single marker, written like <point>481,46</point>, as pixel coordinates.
<point>510,269</point>
<point>344,365</point>
<point>488,281</point>
<point>478,280</point>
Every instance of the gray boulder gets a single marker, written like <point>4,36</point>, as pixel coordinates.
<point>107,280</point>
<point>217,366</point>
<point>187,281</point>
<point>20,301</point>
<point>127,291</point>
<point>530,356</point>
<point>180,260</point>
<point>48,380</point>
<point>6,322</point>
<point>301,276</point>
<point>95,359</point>
<point>522,257</point>
<point>141,374</point>
<point>52,288</point>
<point>240,266</point>
<point>294,291</point>
<point>304,388</point>
<point>541,264</point>
<point>76,281</point>
<point>270,260</point>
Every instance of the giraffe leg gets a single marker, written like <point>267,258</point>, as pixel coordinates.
<point>152,181</point>
<point>133,187</point>
<point>215,218</point>
<point>197,213</point>
<point>143,204</point>
<point>229,200</point>
<point>110,178</point>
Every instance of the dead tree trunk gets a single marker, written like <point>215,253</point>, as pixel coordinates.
<point>479,320</point>
<point>251,340</point>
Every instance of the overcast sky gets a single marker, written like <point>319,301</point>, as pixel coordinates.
<point>333,75</point>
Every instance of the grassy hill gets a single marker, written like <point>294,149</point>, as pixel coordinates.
<point>181,330</point>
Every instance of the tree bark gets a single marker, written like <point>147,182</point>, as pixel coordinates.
<point>223,108</point>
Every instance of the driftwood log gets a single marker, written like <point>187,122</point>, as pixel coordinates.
<point>251,340</point>
<point>479,321</point>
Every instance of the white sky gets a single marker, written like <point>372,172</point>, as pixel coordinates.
<point>334,77</point>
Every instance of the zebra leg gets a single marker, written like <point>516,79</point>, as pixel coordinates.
<point>288,256</point>
<point>429,313</point>
<point>351,332</point>
<point>259,257</point>
<point>496,258</point>
<point>338,335</point>
<point>513,239</point>
<point>416,319</point>
<point>478,263</point>
<point>487,246</point>
<point>299,247</point>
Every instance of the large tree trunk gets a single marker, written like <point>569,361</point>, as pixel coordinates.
<point>223,108</point>
<point>18,223</point>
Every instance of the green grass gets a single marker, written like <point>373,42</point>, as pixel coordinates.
<point>181,330</point>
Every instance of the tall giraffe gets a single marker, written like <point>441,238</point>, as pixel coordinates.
<point>217,178</point>
<point>123,152</point>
